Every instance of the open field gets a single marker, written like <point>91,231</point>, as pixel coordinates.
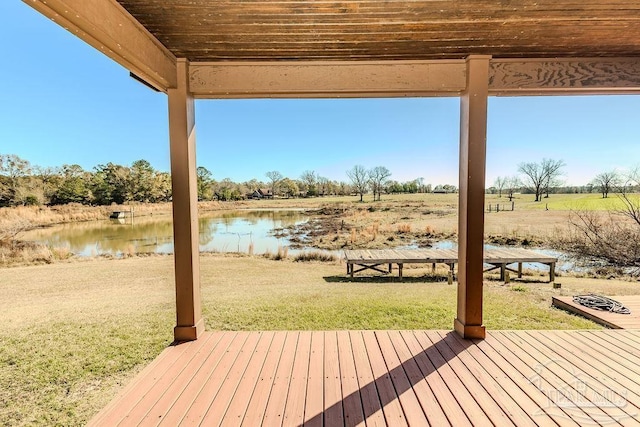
<point>75,332</point>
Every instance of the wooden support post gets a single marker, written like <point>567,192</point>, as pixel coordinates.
<point>473,136</point>
<point>503,269</point>
<point>182,134</point>
<point>552,272</point>
<point>400,270</point>
<point>390,267</point>
<point>519,270</point>
<point>433,267</point>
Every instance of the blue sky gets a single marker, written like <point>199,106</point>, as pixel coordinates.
<point>62,102</point>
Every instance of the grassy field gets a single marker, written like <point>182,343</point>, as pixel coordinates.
<point>75,332</point>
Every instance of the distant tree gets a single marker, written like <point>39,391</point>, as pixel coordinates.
<point>309,180</point>
<point>274,179</point>
<point>552,170</point>
<point>289,188</point>
<point>111,183</point>
<point>606,182</point>
<point>204,183</point>
<point>141,180</point>
<point>378,177</point>
<point>326,187</point>
<point>512,184</point>
<point>73,186</point>
<point>344,189</point>
<point>228,190</point>
<point>15,186</point>
<point>539,177</point>
<point>394,187</point>
<point>161,191</point>
<point>500,184</point>
<point>49,179</point>
<point>449,188</point>
<point>359,179</point>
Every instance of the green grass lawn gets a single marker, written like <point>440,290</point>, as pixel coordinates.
<point>591,202</point>
<point>74,333</point>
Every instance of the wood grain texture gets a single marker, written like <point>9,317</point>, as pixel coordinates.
<point>519,77</point>
<point>206,30</point>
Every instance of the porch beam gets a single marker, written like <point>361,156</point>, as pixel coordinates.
<point>327,79</point>
<point>331,79</point>
<point>473,137</point>
<point>109,28</point>
<point>558,76</point>
<point>182,135</point>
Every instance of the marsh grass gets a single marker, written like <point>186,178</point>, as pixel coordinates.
<point>74,333</point>
<point>308,256</point>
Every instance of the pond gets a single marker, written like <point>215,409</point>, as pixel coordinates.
<point>229,231</point>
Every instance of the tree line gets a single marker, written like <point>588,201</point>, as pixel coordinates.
<point>545,177</point>
<point>22,183</point>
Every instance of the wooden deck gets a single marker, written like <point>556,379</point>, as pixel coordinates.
<point>394,378</point>
<point>606,318</point>
<point>497,258</point>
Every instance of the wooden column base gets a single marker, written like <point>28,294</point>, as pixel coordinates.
<point>188,333</point>
<point>469,332</point>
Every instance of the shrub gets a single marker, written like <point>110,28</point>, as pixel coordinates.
<point>611,238</point>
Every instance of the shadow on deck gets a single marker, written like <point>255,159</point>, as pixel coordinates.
<point>336,378</point>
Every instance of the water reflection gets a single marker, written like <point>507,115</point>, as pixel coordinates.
<point>229,231</point>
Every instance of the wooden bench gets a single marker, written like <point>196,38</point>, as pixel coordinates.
<point>373,259</point>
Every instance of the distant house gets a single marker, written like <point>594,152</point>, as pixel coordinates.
<point>262,193</point>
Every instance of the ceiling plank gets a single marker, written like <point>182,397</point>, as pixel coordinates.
<point>327,79</point>
<point>108,27</point>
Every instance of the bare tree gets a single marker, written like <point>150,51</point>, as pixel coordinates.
<point>512,184</point>
<point>274,177</point>
<point>606,182</point>
<point>378,177</point>
<point>309,179</point>
<point>630,201</point>
<point>499,184</point>
<point>359,179</point>
<point>552,170</point>
<point>539,177</point>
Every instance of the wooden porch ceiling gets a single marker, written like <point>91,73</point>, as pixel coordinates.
<point>268,30</point>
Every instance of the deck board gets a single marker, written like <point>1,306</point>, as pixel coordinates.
<point>378,378</point>
<point>352,404</point>
<point>276,391</point>
<point>367,389</point>
<point>605,318</point>
<point>294,403</point>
